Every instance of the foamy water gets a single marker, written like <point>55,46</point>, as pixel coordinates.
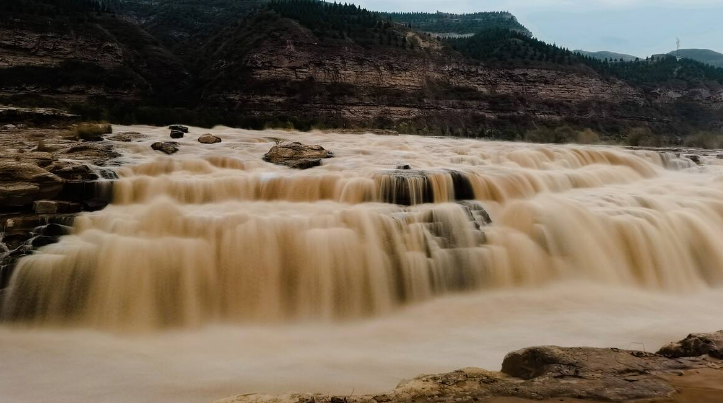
<point>214,273</point>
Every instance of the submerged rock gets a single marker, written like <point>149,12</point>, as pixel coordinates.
<point>209,138</point>
<point>127,137</point>
<point>297,155</point>
<point>167,147</point>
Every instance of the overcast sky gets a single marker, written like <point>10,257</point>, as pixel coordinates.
<point>637,27</point>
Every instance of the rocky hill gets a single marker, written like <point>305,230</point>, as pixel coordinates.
<point>305,63</point>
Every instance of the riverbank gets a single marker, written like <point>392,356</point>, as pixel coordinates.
<point>688,371</point>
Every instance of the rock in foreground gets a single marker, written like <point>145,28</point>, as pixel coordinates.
<point>296,155</point>
<point>540,373</point>
<point>695,345</point>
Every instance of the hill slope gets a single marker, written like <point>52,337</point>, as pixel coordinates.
<point>706,56</point>
<point>450,25</point>
<point>602,55</point>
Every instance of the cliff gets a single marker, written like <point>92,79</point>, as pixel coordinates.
<point>255,64</point>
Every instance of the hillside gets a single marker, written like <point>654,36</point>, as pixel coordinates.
<point>602,55</point>
<point>311,64</point>
<point>452,25</point>
<point>706,56</point>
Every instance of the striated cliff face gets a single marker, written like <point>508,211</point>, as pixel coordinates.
<point>267,67</point>
<point>72,58</point>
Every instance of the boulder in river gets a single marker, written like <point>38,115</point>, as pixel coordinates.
<point>176,134</point>
<point>167,147</point>
<point>127,137</point>
<point>209,138</point>
<point>179,128</point>
<point>296,155</point>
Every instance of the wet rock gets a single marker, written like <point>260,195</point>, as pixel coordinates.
<point>42,240</point>
<point>70,170</point>
<point>96,204</point>
<point>55,207</point>
<point>209,139</point>
<point>179,128</point>
<point>22,183</point>
<point>404,167</point>
<point>693,157</point>
<point>127,137</point>
<point>55,230</point>
<point>9,127</point>
<point>297,155</point>
<point>695,345</point>
<point>176,134</point>
<point>167,147</point>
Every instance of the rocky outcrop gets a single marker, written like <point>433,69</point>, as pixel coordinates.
<point>46,178</point>
<point>209,139</point>
<point>296,155</point>
<point>695,345</point>
<point>540,373</point>
<point>21,117</point>
<point>22,183</point>
<point>127,137</point>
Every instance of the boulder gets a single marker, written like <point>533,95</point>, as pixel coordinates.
<point>297,155</point>
<point>179,128</point>
<point>693,157</point>
<point>22,183</point>
<point>176,134</point>
<point>55,207</point>
<point>167,147</point>
<point>95,204</point>
<point>209,138</point>
<point>404,167</point>
<point>695,345</point>
<point>9,127</point>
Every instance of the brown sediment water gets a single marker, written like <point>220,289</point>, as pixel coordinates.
<point>356,273</point>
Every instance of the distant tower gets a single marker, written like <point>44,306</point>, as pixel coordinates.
<point>677,48</point>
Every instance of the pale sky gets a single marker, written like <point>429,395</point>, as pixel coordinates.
<point>637,27</point>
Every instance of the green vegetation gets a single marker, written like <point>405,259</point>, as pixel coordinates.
<point>510,47</point>
<point>91,131</point>
<point>444,23</point>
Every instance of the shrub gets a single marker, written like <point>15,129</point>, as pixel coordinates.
<point>588,136</point>
<point>92,131</point>
<point>708,140</point>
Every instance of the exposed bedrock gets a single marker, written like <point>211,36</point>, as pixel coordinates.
<point>297,156</point>
<point>408,187</point>
<point>538,373</point>
<point>46,178</point>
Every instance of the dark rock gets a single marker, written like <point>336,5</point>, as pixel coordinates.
<point>179,128</point>
<point>167,147</point>
<point>9,127</point>
<point>55,230</point>
<point>209,139</point>
<point>176,134</point>
<point>297,155</point>
<point>404,166</point>
<point>695,345</point>
<point>693,157</point>
<point>55,207</point>
<point>42,240</point>
<point>94,204</point>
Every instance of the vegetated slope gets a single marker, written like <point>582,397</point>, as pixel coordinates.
<point>446,24</point>
<point>183,25</point>
<point>308,63</point>
<point>611,56</point>
<point>706,56</point>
